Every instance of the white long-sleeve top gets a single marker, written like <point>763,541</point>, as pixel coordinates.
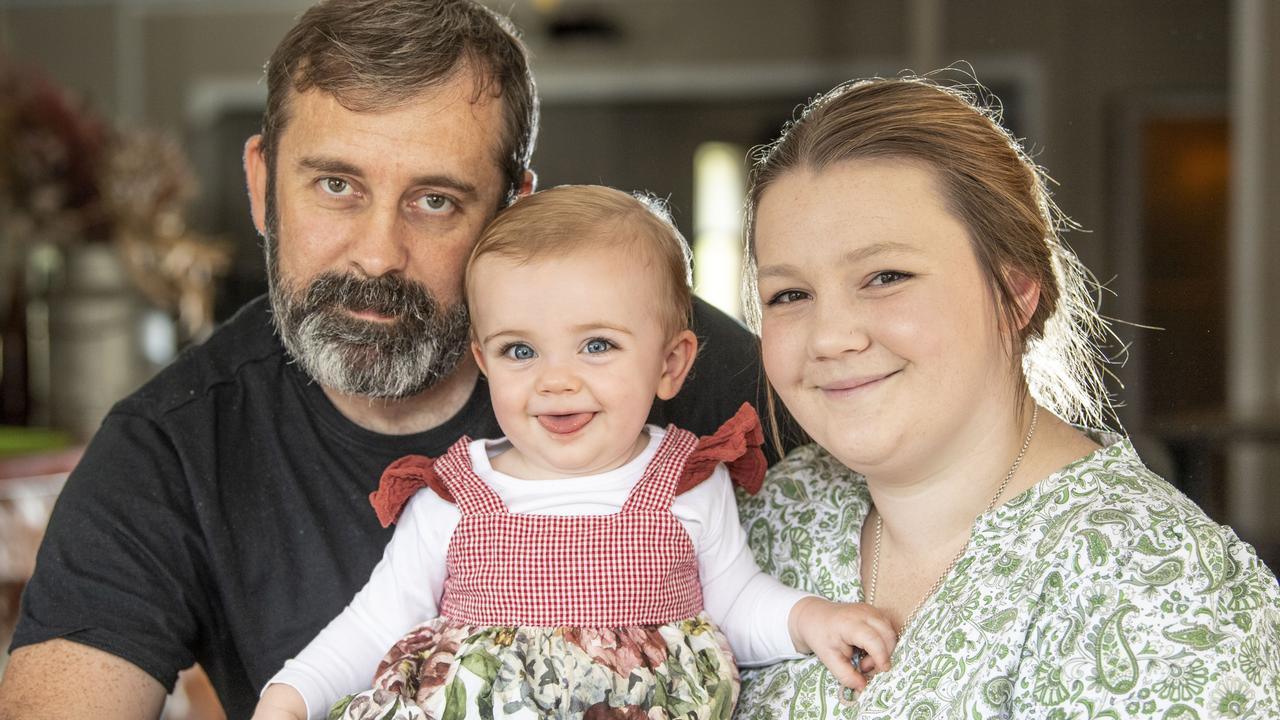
<point>405,587</point>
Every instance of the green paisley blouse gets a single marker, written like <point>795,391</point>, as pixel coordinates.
<point>1101,592</point>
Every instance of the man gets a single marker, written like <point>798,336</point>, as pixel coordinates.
<point>220,515</point>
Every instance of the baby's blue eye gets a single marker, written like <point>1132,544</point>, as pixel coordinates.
<point>597,345</point>
<point>519,351</point>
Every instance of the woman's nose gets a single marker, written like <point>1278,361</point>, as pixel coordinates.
<point>836,329</point>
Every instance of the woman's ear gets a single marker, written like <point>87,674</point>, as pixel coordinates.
<point>1026,293</point>
<point>676,364</point>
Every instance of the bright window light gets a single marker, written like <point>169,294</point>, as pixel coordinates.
<point>719,181</point>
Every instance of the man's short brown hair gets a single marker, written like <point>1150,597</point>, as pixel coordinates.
<point>378,54</point>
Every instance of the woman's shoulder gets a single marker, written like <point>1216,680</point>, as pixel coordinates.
<point>1111,490</point>
<point>1108,515</point>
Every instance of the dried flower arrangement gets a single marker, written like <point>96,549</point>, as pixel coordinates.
<point>67,177</point>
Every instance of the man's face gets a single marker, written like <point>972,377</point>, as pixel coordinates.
<point>369,221</point>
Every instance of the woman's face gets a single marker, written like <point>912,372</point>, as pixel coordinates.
<point>879,330</point>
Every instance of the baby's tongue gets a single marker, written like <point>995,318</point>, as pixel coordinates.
<point>565,424</point>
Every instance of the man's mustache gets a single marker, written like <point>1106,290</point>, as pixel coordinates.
<point>389,295</point>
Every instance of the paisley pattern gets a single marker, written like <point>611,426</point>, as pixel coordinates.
<point>1102,592</point>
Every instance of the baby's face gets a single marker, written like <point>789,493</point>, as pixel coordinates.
<point>575,351</point>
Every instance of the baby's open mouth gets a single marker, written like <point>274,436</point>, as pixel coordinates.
<point>567,423</point>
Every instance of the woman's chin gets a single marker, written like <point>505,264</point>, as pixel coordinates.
<point>864,453</point>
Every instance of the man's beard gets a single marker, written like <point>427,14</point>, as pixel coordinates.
<point>418,346</point>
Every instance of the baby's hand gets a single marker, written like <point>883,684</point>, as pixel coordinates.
<point>280,702</point>
<point>833,631</point>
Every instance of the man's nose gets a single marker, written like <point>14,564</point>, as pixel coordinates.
<point>381,243</point>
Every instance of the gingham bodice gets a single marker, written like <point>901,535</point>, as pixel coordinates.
<point>633,567</point>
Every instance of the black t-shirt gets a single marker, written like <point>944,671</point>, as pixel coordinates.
<point>221,513</point>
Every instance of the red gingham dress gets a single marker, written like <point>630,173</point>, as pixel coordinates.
<point>565,616</point>
<point>634,567</point>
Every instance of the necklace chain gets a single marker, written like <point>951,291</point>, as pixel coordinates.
<point>875,557</point>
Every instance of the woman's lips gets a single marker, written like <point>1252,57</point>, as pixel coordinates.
<point>565,424</point>
<point>848,386</point>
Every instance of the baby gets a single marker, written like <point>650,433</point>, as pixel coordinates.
<point>586,561</point>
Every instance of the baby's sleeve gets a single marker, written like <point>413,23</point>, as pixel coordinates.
<point>750,607</point>
<point>403,591</point>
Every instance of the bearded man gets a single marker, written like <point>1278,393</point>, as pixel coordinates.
<point>220,515</point>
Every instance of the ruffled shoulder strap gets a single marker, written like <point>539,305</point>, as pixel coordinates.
<point>400,481</point>
<point>738,444</point>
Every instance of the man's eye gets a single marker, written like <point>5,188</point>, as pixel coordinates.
<point>597,345</point>
<point>519,351</point>
<point>888,277</point>
<point>335,186</point>
<point>433,203</point>
<point>786,296</point>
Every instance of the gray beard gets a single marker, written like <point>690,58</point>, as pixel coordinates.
<point>420,346</point>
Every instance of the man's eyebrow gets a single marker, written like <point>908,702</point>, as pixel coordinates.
<point>342,167</point>
<point>329,165</point>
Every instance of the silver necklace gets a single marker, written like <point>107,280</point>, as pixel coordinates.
<point>848,697</point>
<point>875,556</point>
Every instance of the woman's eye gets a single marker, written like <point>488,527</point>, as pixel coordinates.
<point>335,186</point>
<point>435,204</point>
<point>888,277</point>
<point>519,351</point>
<point>786,296</point>
<point>596,346</point>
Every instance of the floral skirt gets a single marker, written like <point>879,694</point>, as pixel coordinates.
<point>446,670</point>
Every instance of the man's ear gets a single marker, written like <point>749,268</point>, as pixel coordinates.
<point>528,183</point>
<point>256,175</point>
<point>677,363</point>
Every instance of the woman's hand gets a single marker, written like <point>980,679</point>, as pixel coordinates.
<point>280,702</point>
<point>836,631</point>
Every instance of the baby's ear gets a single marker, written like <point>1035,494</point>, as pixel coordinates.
<point>677,363</point>
<point>478,353</point>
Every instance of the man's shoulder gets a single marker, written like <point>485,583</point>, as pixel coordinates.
<point>720,333</point>
<point>244,343</point>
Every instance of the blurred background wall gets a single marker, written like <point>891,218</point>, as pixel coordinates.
<point>1159,119</point>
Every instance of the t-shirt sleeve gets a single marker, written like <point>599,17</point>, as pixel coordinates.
<point>403,591</point>
<point>744,601</point>
<point>122,567</point>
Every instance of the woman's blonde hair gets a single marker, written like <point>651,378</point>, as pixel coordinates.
<point>992,186</point>
<point>573,218</point>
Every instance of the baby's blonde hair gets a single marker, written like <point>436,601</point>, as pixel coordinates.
<point>572,218</point>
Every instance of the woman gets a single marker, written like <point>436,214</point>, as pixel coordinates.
<point>924,324</point>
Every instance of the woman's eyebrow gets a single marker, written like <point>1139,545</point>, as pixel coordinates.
<point>853,256</point>
<point>880,248</point>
